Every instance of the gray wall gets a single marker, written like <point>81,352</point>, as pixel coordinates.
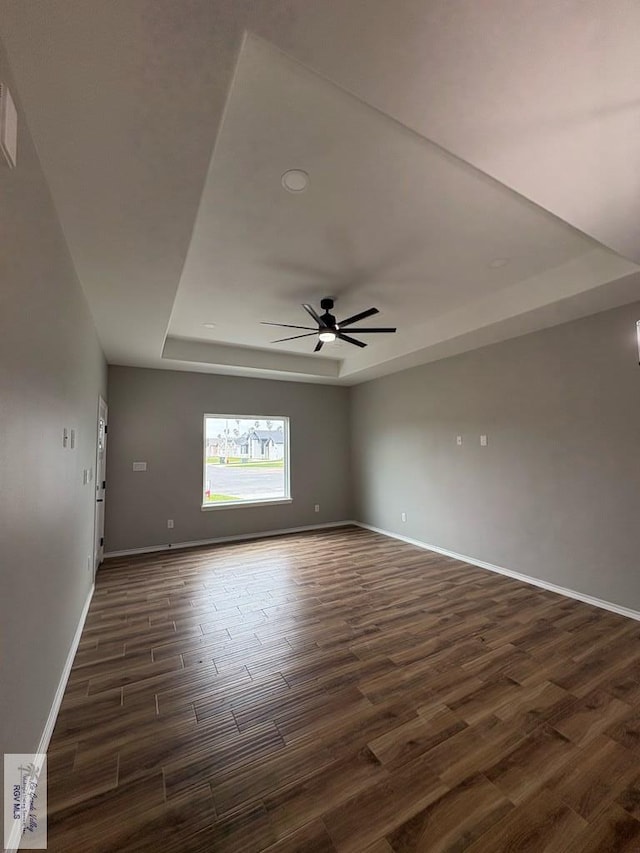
<point>155,416</point>
<point>51,373</point>
<point>555,494</point>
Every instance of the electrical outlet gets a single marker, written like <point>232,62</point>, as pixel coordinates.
<point>483,441</point>
<point>89,563</point>
<point>316,508</point>
<point>459,440</point>
<point>170,523</point>
<point>403,516</point>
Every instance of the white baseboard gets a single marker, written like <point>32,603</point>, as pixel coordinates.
<point>240,537</point>
<point>49,726</point>
<point>13,842</point>
<point>551,587</point>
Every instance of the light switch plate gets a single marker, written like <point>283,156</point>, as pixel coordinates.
<point>483,441</point>
<point>139,466</point>
<point>459,440</point>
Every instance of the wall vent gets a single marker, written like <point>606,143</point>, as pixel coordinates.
<point>8,126</point>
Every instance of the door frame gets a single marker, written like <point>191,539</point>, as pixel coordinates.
<point>99,492</point>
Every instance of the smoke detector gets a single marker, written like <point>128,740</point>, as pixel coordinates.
<point>295,181</point>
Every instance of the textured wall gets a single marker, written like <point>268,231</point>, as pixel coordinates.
<point>51,374</point>
<point>155,416</point>
<point>555,494</point>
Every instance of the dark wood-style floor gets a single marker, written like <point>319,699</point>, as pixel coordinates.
<point>341,691</point>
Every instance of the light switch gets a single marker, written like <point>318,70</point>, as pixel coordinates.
<point>65,437</point>
<point>73,439</point>
<point>139,466</point>
<point>459,440</point>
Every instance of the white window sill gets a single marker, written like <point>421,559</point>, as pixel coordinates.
<point>238,504</point>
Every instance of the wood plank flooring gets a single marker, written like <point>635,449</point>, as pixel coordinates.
<point>342,691</point>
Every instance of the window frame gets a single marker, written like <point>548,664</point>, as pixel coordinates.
<point>285,499</point>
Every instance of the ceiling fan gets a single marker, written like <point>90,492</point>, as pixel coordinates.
<point>328,329</point>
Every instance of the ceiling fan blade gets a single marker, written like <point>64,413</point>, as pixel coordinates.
<point>318,346</point>
<point>349,340</point>
<point>369,313</point>
<point>369,331</point>
<point>287,326</point>
<point>295,337</point>
<point>313,313</point>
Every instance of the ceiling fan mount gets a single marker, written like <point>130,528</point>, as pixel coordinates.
<point>328,329</point>
<point>327,318</point>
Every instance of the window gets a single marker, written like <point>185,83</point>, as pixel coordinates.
<point>246,460</point>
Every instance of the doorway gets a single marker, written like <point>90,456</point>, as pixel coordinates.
<point>101,484</point>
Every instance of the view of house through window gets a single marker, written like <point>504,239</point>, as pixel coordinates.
<point>246,459</point>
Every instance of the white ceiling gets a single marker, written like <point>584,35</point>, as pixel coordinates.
<point>128,102</point>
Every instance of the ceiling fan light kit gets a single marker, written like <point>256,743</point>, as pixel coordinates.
<point>327,336</point>
<point>328,329</point>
